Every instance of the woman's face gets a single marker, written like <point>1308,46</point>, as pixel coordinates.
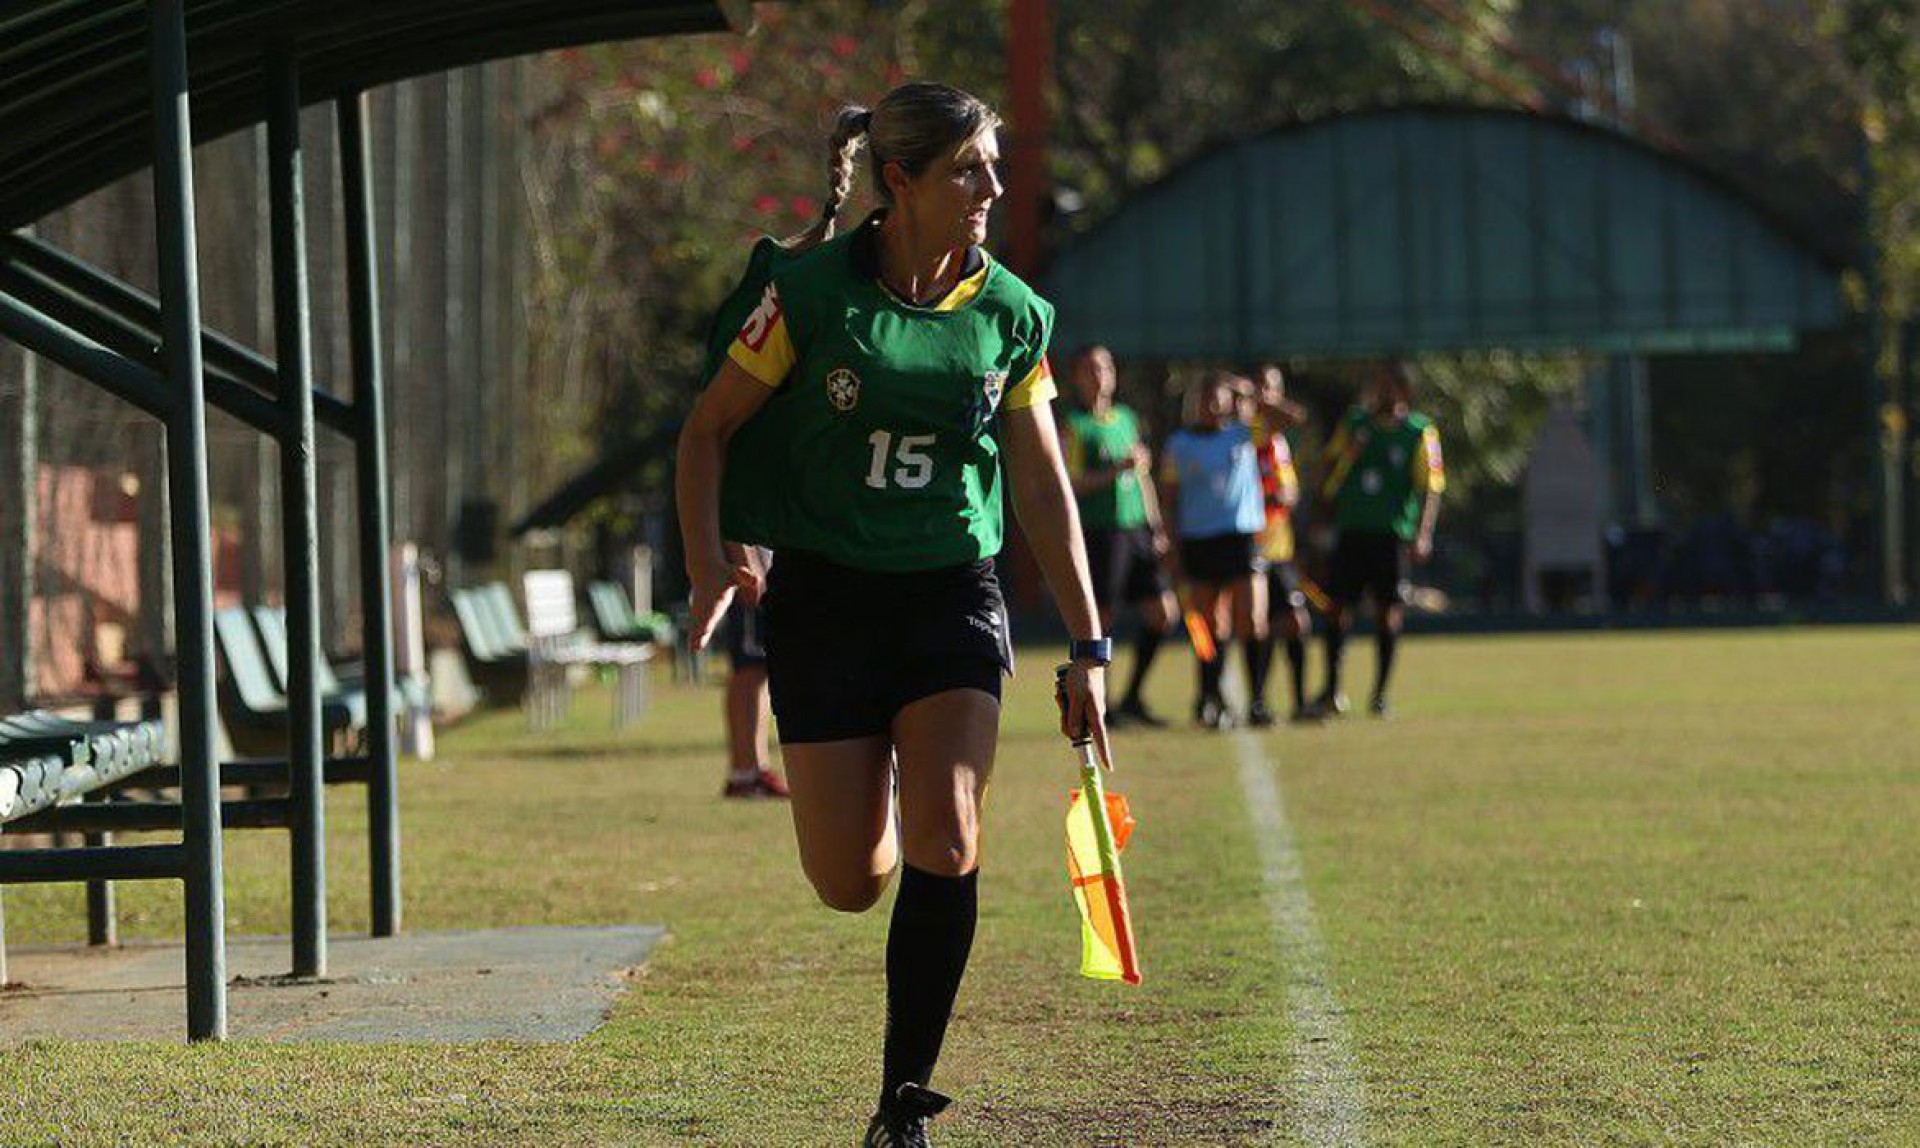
<point>1216,404</point>
<point>1094,376</point>
<point>952,197</point>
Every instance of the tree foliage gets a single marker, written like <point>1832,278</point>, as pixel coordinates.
<point>660,161</point>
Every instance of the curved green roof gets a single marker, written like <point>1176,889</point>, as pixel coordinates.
<point>74,112</point>
<point>1427,228</point>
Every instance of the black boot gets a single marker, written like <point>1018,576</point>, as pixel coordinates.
<point>902,1121</point>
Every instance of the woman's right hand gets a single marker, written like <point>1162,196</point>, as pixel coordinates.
<point>715,582</point>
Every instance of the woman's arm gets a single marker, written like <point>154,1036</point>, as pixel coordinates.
<point>730,400</point>
<point>1043,500</point>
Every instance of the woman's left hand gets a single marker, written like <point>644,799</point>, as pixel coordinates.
<point>1085,708</point>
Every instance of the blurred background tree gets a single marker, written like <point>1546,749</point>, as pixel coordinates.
<point>659,162</point>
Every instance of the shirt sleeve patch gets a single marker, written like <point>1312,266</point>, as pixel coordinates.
<point>1429,471</point>
<point>764,347</point>
<point>1037,387</point>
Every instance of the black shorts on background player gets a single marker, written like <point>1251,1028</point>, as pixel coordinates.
<point>746,636</point>
<point>1283,586</point>
<point>1371,562</point>
<point>848,649</point>
<point>1219,558</point>
<point>1124,567</point>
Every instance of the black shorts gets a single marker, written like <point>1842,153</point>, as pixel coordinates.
<point>1370,562</point>
<point>848,649</point>
<point>1283,587</point>
<point>1124,567</point>
<point>1219,558</point>
<point>746,636</point>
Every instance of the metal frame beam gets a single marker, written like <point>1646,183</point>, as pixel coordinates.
<point>192,542</point>
<point>113,863</point>
<point>149,816</point>
<point>58,343</point>
<point>300,528</point>
<point>369,404</point>
<point>239,366</point>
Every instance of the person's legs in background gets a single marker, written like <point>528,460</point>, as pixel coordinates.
<point>749,772</point>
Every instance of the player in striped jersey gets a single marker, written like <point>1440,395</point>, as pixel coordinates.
<point>1274,414</point>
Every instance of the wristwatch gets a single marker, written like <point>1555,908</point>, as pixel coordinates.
<point>1099,651</point>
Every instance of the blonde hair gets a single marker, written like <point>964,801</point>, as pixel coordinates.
<point>912,125</point>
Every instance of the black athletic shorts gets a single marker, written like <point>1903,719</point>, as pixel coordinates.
<point>746,636</point>
<point>1219,558</point>
<point>848,649</point>
<point>1124,567</point>
<point>1372,562</point>
<point>1283,586</point>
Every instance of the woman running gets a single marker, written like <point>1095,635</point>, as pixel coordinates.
<point>857,429</point>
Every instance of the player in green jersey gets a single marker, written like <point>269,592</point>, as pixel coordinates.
<point>858,429</point>
<point>1384,481</point>
<point>1126,541</point>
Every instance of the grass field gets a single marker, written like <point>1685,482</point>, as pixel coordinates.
<point>1584,890</point>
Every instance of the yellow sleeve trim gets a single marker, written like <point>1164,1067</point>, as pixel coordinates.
<point>1037,387</point>
<point>1429,472</point>
<point>764,346</point>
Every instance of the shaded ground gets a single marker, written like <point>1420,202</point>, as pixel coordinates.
<point>552,984</point>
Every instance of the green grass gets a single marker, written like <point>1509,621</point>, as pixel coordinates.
<point>1586,890</point>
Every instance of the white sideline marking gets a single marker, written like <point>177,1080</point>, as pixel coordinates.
<point>1332,1111</point>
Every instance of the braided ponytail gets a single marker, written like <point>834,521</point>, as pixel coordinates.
<point>849,132</point>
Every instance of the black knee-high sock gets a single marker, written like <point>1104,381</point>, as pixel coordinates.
<point>1336,651</point>
<point>1210,674</point>
<point>1145,646</point>
<point>1259,653</point>
<point>927,946</point>
<point>1297,669</point>
<point>1385,641</point>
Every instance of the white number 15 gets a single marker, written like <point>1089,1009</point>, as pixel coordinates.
<point>915,468</point>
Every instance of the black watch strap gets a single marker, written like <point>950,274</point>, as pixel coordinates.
<point>1097,650</point>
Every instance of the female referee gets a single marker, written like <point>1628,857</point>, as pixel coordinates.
<point>857,429</point>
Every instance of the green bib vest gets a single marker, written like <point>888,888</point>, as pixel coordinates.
<point>1106,443</point>
<point>1379,493</point>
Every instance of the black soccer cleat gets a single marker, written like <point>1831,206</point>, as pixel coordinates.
<point>1212,713</point>
<point>1259,716</point>
<point>901,1122</point>
<point>1331,704</point>
<point>1380,707</point>
<point>1132,711</point>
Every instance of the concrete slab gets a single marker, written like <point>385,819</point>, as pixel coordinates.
<point>536,984</point>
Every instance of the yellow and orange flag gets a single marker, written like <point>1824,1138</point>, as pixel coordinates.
<point>1098,826</point>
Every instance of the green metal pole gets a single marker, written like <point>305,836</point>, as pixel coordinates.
<point>370,452</point>
<point>300,554</point>
<point>192,543</point>
<point>19,466</point>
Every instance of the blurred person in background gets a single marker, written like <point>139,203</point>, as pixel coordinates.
<point>1273,415</point>
<point>1210,470</point>
<point>1384,478</point>
<point>1110,468</point>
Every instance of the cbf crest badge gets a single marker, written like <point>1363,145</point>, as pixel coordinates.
<point>993,386</point>
<point>843,389</point>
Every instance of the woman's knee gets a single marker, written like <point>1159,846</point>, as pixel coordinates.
<point>847,892</point>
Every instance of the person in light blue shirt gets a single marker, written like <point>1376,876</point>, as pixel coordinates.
<point>1211,472</point>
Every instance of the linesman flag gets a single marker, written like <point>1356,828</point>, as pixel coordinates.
<point>1098,826</point>
<point>1093,862</point>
